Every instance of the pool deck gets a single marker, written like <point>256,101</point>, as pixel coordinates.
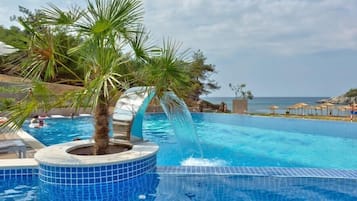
<point>32,145</point>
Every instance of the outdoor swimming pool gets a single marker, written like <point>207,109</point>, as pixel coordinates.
<point>185,187</point>
<point>234,140</point>
<point>249,149</point>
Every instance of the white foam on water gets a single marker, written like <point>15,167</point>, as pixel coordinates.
<point>57,116</point>
<point>204,162</point>
<point>85,115</point>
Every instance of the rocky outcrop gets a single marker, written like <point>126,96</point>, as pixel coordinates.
<point>339,100</point>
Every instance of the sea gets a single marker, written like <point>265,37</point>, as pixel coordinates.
<point>262,104</point>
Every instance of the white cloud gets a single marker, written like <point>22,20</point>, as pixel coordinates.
<point>246,39</point>
<point>282,27</point>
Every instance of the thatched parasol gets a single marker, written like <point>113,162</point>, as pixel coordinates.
<point>328,105</point>
<point>318,108</point>
<point>342,109</point>
<point>323,107</point>
<point>301,106</point>
<point>273,108</point>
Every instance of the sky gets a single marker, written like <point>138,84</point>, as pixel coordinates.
<point>289,48</point>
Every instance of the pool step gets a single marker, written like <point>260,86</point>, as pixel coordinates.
<point>121,129</point>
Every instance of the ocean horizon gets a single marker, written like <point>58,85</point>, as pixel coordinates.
<point>262,104</point>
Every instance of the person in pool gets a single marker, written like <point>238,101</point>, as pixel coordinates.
<point>36,122</point>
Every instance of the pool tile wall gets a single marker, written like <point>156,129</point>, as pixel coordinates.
<point>10,172</point>
<point>147,164</point>
<point>252,187</point>
<point>259,171</point>
<point>125,190</point>
<point>107,173</point>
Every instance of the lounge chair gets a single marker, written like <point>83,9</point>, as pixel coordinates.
<point>13,146</point>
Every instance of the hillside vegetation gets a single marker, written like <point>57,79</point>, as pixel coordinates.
<point>351,93</point>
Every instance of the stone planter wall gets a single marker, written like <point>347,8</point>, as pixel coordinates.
<point>57,166</point>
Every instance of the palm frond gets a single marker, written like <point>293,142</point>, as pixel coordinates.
<point>168,71</point>
<point>139,42</point>
<point>55,16</point>
<point>39,98</point>
<point>111,17</point>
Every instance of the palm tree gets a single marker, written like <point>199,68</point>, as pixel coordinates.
<point>106,28</point>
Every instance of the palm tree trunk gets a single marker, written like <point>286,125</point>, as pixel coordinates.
<point>101,135</point>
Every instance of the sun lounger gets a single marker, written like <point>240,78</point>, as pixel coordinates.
<point>13,146</point>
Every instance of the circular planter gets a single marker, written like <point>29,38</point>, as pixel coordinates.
<point>87,150</point>
<point>58,166</point>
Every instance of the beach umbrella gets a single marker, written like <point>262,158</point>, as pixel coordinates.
<point>289,109</point>
<point>310,109</point>
<point>273,108</point>
<point>317,108</point>
<point>328,105</point>
<point>301,106</point>
<point>347,109</point>
<point>322,106</point>
<point>293,108</point>
<point>341,109</point>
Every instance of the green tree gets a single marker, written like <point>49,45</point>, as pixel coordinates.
<point>105,28</point>
<point>200,73</point>
<point>113,40</point>
<point>12,36</point>
<point>45,45</point>
<point>49,46</point>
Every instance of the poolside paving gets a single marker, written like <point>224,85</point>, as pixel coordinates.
<point>31,149</point>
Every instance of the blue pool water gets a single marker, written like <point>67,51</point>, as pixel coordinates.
<point>163,187</point>
<point>235,140</point>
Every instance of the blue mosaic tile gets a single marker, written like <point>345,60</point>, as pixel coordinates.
<point>261,171</point>
<point>16,172</point>
<point>100,174</point>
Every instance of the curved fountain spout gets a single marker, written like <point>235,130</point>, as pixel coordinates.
<point>130,110</point>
